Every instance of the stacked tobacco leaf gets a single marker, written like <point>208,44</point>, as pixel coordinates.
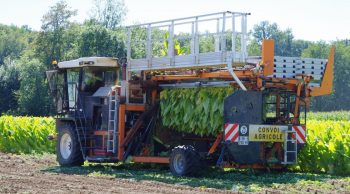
<point>194,110</point>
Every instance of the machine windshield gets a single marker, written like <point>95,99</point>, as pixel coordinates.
<point>94,78</point>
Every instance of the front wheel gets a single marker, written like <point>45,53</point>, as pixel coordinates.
<point>184,161</point>
<point>68,148</point>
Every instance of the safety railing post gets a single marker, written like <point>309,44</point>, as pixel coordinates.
<point>223,38</point>
<point>149,46</point>
<point>217,36</point>
<point>233,46</point>
<point>128,46</point>
<point>171,43</point>
<point>243,37</point>
<point>196,42</point>
<point>193,37</point>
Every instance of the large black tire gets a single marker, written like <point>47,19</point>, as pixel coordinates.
<point>185,161</point>
<point>68,148</point>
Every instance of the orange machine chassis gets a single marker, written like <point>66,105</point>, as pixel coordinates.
<point>252,80</point>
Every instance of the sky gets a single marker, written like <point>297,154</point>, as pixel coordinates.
<point>309,19</point>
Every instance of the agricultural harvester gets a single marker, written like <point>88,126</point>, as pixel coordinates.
<point>108,109</point>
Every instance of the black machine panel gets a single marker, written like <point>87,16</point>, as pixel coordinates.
<point>244,108</point>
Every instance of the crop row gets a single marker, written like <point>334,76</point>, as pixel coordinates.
<point>26,134</point>
<point>327,149</point>
<point>326,116</point>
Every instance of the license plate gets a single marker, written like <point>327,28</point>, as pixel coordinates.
<point>267,133</point>
<point>243,140</point>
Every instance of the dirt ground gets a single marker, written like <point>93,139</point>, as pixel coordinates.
<point>26,174</point>
<point>41,174</point>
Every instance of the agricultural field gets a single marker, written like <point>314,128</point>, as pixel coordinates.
<point>41,174</point>
<point>324,165</point>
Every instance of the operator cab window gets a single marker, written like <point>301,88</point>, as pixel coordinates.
<point>73,80</point>
<point>278,108</point>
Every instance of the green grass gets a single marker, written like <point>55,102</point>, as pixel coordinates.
<point>227,179</point>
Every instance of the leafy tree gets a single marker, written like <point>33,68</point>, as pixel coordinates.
<point>71,41</point>
<point>50,40</point>
<point>9,83</point>
<point>254,48</point>
<point>32,95</point>
<point>265,30</point>
<point>284,40</point>
<point>138,49</point>
<point>298,47</point>
<point>108,13</point>
<point>96,40</point>
<point>13,41</point>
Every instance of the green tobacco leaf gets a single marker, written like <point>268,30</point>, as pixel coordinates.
<point>198,111</point>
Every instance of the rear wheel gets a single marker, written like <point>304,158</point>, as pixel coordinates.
<point>67,148</point>
<point>184,161</point>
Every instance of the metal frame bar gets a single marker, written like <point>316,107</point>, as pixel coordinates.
<point>150,159</point>
<point>191,17</point>
<point>121,131</point>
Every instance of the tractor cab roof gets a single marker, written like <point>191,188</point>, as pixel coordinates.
<point>89,62</point>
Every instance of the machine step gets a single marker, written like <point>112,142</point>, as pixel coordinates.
<point>290,147</point>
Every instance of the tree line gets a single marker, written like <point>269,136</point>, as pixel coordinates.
<point>26,54</point>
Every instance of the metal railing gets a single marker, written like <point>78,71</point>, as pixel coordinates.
<point>204,40</point>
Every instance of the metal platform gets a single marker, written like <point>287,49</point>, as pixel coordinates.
<point>211,40</point>
<point>207,40</point>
